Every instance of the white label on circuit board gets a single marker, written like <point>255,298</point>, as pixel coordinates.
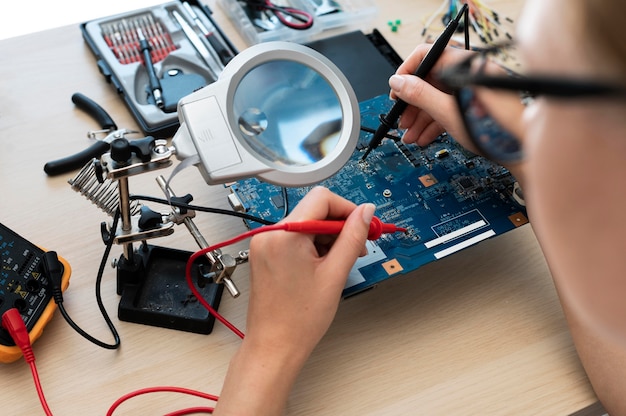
<point>470,241</point>
<point>455,234</point>
<point>374,254</point>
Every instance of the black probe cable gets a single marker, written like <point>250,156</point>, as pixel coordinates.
<point>283,191</point>
<point>202,209</point>
<point>54,268</point>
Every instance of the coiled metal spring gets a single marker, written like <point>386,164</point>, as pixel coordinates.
<point>103,193</point>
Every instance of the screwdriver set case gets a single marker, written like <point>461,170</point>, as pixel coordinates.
<point>156,55</point>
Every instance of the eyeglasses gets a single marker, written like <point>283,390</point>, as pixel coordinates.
<point>488,135</point>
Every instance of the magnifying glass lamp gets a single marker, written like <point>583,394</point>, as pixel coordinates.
<point>279,111</point>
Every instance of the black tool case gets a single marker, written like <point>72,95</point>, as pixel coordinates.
<point>188,50</point>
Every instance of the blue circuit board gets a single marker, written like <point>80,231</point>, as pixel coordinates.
<point>446,197</point>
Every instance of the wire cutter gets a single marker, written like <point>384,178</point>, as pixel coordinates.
<point>80,159</point>
<point>289,16</point>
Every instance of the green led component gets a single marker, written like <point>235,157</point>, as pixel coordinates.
<point>394,24</point>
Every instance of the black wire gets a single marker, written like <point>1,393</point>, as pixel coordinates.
<point>466,28</point>
<point>105,315</point>
<point>202,209</point>
<point>285,201</point>
<point>389,136</point>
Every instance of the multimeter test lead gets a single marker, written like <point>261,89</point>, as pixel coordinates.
<point>391,119</point>
<point>377,227</point>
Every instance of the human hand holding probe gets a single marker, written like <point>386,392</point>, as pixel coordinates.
<point>330,227</point>
<point>319,232</point>
<point>296,281</point>
<point>391,119</point>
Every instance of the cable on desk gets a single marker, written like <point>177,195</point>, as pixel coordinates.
<point>12,321</point>
<point>55,271</point>
<point>171,389</point>
<point>191,411</point>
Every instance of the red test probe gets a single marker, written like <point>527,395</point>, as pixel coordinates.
<point>377,227</point>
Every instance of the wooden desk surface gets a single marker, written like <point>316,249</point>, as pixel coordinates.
<point>480,332</point>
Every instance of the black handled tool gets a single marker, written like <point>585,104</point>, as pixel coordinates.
<point>391,119</point>
<point>78,160</point>
<point>93,109</point>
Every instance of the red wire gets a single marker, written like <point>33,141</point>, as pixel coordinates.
<point>191,411</point>
<point>160,389</point>
<point>12,321</point>
<point>42,397</point>
<point>203,252</point>
<point>305,17</point>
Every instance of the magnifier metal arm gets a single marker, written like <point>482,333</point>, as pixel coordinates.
<point>222,265</point>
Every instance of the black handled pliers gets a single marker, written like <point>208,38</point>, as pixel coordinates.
<point>80,159</point>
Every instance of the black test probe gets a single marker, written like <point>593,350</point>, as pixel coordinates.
<point>387,122</point>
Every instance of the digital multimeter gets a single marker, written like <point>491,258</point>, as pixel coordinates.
<point>25,285</point>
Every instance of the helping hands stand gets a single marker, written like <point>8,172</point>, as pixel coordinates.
<point>151,279</point>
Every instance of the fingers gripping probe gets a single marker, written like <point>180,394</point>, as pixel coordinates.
<point>429,61</point>
<point>377,227</point>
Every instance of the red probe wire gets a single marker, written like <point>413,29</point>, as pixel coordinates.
<point>377,228</point>
<point>12,321</point>
<point>160,389</point>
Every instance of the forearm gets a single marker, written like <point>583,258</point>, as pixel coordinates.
<point>604,361</point>
<point>259,380</point>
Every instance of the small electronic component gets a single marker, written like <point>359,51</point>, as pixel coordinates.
<point>428,180</point>
<point>25,286</point>
<point>440,154</point>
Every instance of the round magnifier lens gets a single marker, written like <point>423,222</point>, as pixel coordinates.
<point>287,113</point>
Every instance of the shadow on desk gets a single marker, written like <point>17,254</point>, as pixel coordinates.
<point>595,409</point>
